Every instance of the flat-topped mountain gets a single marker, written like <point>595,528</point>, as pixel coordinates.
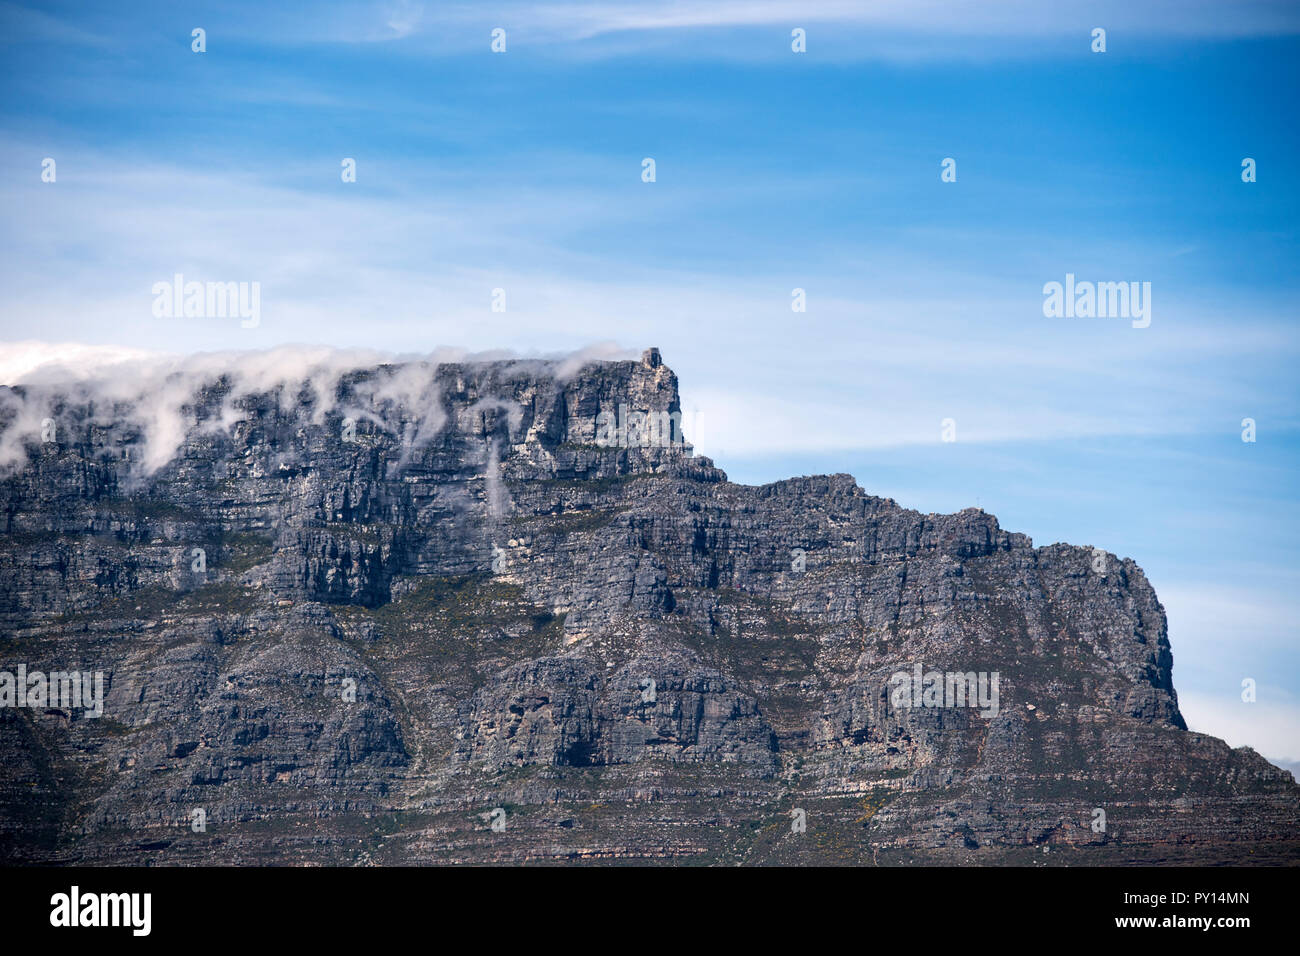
<point>449,611</point>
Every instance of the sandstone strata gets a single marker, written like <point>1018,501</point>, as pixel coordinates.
<point>409,617</point>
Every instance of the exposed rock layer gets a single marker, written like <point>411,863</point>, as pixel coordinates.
<point>403,620</point>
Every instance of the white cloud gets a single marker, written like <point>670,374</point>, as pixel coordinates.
<point>20,360</point>
<point>153,390</point>
<point>403,17</point>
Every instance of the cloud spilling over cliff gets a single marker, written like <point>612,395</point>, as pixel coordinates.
<point>154,392</point>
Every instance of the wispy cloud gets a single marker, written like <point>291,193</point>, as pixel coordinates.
<point>883,355</point>
<point>1017,18</point>
<point>849,28</point>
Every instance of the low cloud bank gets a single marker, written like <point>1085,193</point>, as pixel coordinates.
<point>155,391</point>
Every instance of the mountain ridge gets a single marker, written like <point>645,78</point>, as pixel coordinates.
<point>430,591</point>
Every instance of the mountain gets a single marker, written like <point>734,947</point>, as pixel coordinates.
<point>489,611</point>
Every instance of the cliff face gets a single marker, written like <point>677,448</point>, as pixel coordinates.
<point>497,611</point>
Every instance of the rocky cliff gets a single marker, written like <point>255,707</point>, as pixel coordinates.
<point>484,611</point>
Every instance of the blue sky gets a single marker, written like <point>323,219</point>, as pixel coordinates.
<point>774,171</point>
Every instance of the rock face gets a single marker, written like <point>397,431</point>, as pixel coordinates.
<point>497,611</point>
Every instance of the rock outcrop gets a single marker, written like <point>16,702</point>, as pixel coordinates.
<point>498,611</point>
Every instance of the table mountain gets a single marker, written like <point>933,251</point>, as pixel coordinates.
<point>440,611</point>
